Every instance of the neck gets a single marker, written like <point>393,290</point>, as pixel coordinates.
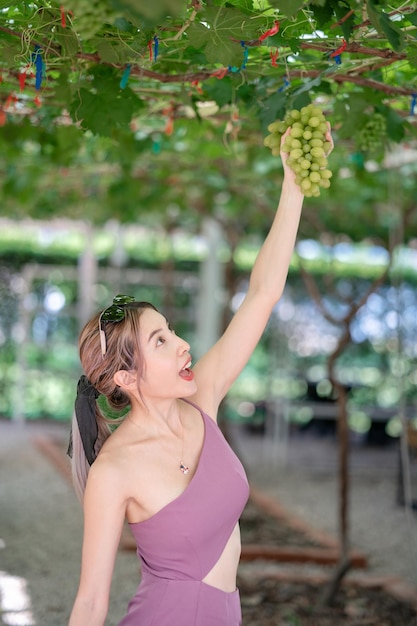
<point>157,416</point>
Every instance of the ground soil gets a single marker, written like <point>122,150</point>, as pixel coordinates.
<point>268,602</point>
<point>275,601</point>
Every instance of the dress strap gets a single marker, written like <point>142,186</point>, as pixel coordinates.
<point>193,404</point>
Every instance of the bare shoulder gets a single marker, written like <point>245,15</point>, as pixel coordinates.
<point>108,474</point>
<point>108,470</point>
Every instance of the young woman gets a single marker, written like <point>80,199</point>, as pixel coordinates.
<point>167,468</point>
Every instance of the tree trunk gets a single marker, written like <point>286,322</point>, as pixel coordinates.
<point>331,588</point>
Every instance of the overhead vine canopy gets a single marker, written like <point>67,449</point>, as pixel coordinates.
<point>136,73</point>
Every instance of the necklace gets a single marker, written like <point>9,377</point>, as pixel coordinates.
<point>183,467</point>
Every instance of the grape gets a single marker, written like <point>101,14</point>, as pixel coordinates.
<point>277,127</point>
<point>313,122</point>
<point>372,136</point>
<point>317,152</point>
<point>296,132</point>
<point>326,174</point>
<point>316,143</point>
<point>296,153</point>
<point>306,146</point>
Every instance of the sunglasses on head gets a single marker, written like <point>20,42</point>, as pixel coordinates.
<point>114,313</point>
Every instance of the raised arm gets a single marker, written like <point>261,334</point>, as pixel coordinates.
<point>217,370</point>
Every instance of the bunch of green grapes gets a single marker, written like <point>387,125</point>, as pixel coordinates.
<point>306,145</point>
<point>372,136</point>
<point>89,16</point>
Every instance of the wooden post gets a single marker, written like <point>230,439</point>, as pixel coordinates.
<point>210,300</point>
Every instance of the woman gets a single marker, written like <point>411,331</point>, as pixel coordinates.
<point>167,468</point>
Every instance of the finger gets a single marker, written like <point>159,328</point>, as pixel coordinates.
<point>329,136</point>
<point>284,137</point>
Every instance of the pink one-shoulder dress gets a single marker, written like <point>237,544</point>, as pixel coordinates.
<point>181,543</point>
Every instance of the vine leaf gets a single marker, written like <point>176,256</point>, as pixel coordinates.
<point>69,43</point>
<point>383,25</point>
<point>289,8</point>
<point>116,106</point>
<point>150,10</point>
<point>111,53</point>
<point>220,35</point>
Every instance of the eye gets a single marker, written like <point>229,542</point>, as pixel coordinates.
<point>160,341</point>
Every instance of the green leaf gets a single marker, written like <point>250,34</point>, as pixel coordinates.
<point>68,140</point>
<point>221,34</point>
<point>230,23</point>
<point>151,10</point>
<point>300,101</point>
<point>412,17</point>
<point>111,53</point>
<point>308,85</point>
<point>274,108</point>
<point>383,25</point>
<point>198,35</point>
<point>341,9</point>
<point>68,40</point>
<point>323,14</point>
<point>225,52</point>
<point>63,87</point>
<point>288,7</point>
<point>10,49</point>
<point>395,123</point>
<point>221,91</point>
<point>106,107</point>
<point>246,6</point>
<point>124,25</point>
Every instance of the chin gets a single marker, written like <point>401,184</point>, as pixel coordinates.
<point>191,390</point>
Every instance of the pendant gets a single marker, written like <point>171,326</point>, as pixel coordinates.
<point>184,468</point>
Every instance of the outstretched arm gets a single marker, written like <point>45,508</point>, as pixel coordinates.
<point>217,370</point>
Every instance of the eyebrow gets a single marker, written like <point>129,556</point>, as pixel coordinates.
<point>159,330</point>
<point>153,333</point>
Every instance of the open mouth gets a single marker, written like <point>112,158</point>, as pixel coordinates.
<point>186,373</point>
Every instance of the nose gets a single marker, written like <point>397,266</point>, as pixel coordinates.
<point>184,346</point>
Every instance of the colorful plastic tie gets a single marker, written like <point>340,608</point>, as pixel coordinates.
<point>125,78</point>
<point>270,32</point>
<point>39,66</point>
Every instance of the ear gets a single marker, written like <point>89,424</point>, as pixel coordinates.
<point>125,379</point>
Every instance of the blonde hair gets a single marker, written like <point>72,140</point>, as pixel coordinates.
<point>123,352</point>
